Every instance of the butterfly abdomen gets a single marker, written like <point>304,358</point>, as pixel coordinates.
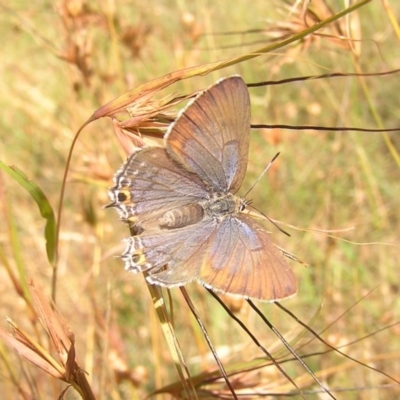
<point>183,216</point>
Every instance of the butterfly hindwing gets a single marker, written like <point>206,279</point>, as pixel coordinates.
<point>150,183</point>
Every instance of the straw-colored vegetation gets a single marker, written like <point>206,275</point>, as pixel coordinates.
<point>61,61</point>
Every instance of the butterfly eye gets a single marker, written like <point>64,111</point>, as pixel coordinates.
<point>243,205</point>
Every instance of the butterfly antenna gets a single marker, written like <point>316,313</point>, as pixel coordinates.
<point>268,218</point>
<point>262,174</point>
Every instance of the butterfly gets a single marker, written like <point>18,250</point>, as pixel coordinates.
<point>180,202</point>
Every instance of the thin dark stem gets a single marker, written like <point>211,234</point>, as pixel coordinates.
<point>287,345</point>
<point>255,340</point>
<point>323,76</point>
<point>303,324</point>
<point>208,340</point>
<point>322,128</point>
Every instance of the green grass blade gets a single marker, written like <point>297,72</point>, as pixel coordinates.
<point>45,208</point>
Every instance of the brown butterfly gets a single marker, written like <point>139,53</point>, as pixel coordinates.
<point>180,201</point>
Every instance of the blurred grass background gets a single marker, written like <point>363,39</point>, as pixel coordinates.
<point>62,60</point>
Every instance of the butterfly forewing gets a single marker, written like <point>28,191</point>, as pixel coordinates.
<point>211,135</point>
<point>234,256</point>
<point>242,260</point>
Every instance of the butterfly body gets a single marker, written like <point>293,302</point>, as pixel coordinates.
<point>181,204</point>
